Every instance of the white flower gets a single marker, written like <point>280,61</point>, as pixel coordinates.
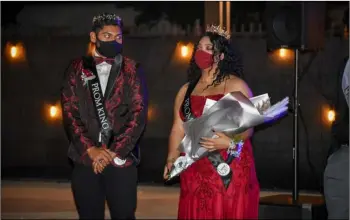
<point>86,78</point>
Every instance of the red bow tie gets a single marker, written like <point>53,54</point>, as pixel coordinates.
<point>100,60</point>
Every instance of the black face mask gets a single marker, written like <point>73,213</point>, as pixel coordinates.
<point>109,49</point>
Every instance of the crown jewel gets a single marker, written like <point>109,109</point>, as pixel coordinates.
<point>106,16</point>
<point>218,30</point>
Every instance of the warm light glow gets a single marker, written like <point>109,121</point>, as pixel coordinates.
<point>151,112</point>
<point>53,111</point>
<point>284,55</point>
<point>221,13</point>
<point>90,49</point>
<point>282,52</point>
<point>184,51</point>
<point>14,51</point>
<point>331,115</point>
<point>228,16</point>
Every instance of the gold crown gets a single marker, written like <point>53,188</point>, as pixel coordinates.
<point>218,30</point>
<point>106,16</point>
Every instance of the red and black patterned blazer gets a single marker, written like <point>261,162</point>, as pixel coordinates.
<point>125,103</point>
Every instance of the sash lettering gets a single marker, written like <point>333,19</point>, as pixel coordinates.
<point>98,101</point>
<point>186,105</point>
<point>101,113</point>
<point>100,109</point>
<point>187,108</point>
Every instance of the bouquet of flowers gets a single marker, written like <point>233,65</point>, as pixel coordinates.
<point>232,114</point>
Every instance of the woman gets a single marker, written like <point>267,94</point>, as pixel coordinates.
<point>214,71</point>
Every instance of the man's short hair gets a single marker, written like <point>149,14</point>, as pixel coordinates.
<point>101,20</point>
<point>346,18</point>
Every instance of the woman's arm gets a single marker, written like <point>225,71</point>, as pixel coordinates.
<point>177,131</point>
<point>223,141</point>
<point>235,84</point>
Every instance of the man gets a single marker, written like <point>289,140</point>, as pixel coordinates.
<point>104,114</point>
<point>336,175</point>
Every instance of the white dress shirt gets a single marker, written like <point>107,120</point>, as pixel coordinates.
<point>103,70</point>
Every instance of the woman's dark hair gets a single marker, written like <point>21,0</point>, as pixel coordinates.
<point>101,20</point>
<point>230,65</point>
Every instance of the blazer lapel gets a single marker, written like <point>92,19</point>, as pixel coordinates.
<point>113,75</point>
<point>89,63</point>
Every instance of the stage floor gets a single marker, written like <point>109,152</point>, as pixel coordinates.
<point>53,200</point>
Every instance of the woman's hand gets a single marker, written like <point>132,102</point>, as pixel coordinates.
<point>212,144</point>
<point>167,168</point>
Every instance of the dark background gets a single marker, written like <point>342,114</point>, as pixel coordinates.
<point>35,147</point>
<point>179,12</point>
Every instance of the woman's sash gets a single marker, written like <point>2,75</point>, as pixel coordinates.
<point>214,157</point>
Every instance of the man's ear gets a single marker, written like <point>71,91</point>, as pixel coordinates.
<point>93,37</point>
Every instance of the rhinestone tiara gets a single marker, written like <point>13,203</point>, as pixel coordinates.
<point>106,16</point>
<point>218,30</point>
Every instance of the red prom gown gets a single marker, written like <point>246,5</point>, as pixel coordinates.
<point>202,193</point>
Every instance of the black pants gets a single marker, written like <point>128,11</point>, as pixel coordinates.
<point>116,185</point>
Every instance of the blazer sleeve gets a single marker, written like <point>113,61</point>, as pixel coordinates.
<point>73,125</point>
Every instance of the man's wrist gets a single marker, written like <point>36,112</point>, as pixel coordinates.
<point>89,148</point>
